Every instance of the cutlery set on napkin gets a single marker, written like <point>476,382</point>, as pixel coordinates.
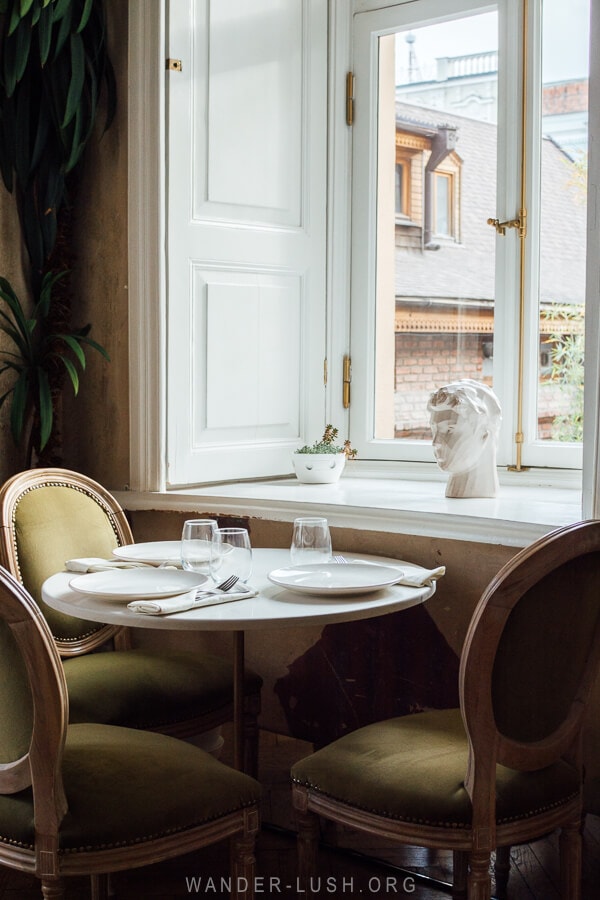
<point>422,577</point>
<point>191,600</point>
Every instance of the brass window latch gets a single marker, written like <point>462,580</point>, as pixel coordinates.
<point>350,98</point>
<point>346,379</point>
<point>174,65</point>
<point>520,223</point>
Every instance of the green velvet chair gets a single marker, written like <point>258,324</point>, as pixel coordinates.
<point>95,799</point>
<point>48,516</point>
<point>503,769</point>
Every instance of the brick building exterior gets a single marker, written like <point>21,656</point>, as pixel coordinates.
<point>444,276</point>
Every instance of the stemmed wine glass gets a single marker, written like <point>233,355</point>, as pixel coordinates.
<point>231,554</point>
<point>311,541</point>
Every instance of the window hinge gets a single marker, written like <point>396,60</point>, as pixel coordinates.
<point>346,379</point>
<point>350,98</point>
<point>174,65</point>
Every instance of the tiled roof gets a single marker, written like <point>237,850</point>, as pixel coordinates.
<point>465,269</point>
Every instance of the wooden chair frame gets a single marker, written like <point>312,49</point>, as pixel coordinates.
<point>40,769</point>
<point>11,494</point>
<point>487,746</point>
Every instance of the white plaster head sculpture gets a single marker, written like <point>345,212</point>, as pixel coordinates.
<point>465,418</point>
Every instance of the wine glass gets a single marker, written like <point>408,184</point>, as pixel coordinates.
<point>196,543</point>
<point>311,541</point>
<point>231,554</point>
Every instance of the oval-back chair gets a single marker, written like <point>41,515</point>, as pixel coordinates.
<point>48,516</point>
<point>95,799</point>
<point>506,767</point>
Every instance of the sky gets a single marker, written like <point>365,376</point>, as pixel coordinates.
<point>565,40</point>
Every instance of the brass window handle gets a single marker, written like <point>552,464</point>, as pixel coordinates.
<point>519,223</point>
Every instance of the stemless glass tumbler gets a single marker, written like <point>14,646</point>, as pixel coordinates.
<point>196,543</point>
<point>231,554</point>
<point>311,541</point>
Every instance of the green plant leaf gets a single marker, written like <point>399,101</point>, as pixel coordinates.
<point>45,407</point>
<point>64,28</point>
<point>85,15</point>
<point>19,406</point>
<point>21,51</point>
<point>77,143</point>
<point>72,372</point>
<point>60,8</point>
<point>22,140</point>
<point>15,18</point>
<point>42,307</point>
<point>14,304</point>
<point>73,345</point>
<point>45,30</point>
<point>25,7</point>
<point>77,76</point>
<point>96,346</point>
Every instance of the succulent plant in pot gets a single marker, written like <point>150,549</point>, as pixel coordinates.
<point>322,462</point>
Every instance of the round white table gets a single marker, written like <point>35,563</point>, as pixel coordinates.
<point>273,606</point>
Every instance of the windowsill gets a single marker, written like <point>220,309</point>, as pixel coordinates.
<point>373,497</point>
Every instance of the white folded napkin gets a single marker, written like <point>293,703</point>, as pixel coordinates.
<point>191,600</point>
<point>422,578</point>
<point>95,564</point>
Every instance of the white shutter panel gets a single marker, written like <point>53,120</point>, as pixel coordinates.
<point>246,235</point>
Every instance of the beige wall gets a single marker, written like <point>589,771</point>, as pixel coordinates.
<point>96,427</point>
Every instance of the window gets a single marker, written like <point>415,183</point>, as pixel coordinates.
<point>472,298</point>
<point>481,320</point>
<point>442,204</point>
<point>402,189</point>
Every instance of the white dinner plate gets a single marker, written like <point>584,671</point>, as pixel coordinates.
<point>154,552</point>
<point>137,584</point>
<point>335,579</point>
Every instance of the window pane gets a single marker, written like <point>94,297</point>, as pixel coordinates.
<point>442,204</point>
<point>564,111</point>
<point>435,275</point>
<point>400,191</point>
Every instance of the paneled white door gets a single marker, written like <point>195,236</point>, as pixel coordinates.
<point>246,235</point>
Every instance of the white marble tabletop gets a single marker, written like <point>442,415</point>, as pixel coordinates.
<point>273,606</point>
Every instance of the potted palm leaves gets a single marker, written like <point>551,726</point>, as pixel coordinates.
<point>54,68</point>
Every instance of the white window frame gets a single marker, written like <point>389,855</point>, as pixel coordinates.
<point>383,19</point>
<point>146,142</point>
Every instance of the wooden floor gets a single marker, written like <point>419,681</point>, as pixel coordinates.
<point>534,872</point>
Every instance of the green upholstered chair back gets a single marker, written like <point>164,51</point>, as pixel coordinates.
<point>48,517</point>
<point>16,710</point>
<point>31,676</point>
<point>533,650</point>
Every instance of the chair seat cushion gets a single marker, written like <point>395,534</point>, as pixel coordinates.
<point>412,769</point>
<point>148,689</point>
<point>109,774</point>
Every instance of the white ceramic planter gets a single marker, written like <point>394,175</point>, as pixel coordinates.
<point>318,468</point>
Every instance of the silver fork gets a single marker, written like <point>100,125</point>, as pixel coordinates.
<point>223,587</point>
<point>340,559</point>
<point>228,583</point>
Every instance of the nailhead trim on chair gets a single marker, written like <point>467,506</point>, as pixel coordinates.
<point>13,843</point>
<point>109,514</point>
<point>137,840</point>
<point>449,825</point>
